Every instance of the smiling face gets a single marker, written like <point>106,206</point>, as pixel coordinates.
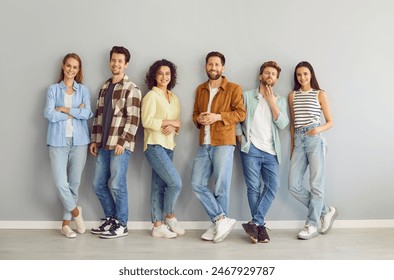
<point>70,68</point>
<point>163,77</point>
<point>304,77</point>
<point>214,68</point>
<point>269,76</point>
<point>118,64</point>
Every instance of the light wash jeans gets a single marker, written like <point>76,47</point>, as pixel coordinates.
<point>67,164</point>
<point>166,183</point>
<point>216,161</point>
<point>309,150</point>
<point>259,165</point>
<point>109,183</point>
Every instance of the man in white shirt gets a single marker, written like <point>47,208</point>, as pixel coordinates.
<point>266,112</point>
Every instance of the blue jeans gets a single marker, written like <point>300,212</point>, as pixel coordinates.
<point>216,161</point>
<point>309,150</point>
<point>259,164</point>
<point>109,183</point>
<point>166,183</point>
<point>67,164</point>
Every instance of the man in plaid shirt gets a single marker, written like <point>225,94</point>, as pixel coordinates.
<point>112,141</point>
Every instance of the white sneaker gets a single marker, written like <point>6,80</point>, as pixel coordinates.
<point>223,228</point>
<point>209,234</point>
<point>328,219</point>
<point>163,231</point>
<point>174,226</point>
<point>308,232</point>
<point>68,232</point>
<point>79,222</point>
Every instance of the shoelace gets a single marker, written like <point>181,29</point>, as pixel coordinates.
<point>114,226</point>
<point>266,227</point>
<point>105,222</point>
<point>68,232</point>
<point>68,229</point>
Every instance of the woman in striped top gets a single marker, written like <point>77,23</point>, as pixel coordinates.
<point>308,147</point>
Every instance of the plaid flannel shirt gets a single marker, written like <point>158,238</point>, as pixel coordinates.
<point>126,104</point>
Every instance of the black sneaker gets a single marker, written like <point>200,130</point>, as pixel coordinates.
<point>105,225</point>
<point>116,230</point>
<point>252,231</point>
<point>263,235</point>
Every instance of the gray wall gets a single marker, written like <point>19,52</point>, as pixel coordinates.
<point>349,43</point>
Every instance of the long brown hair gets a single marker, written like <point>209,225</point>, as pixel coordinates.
<point>314,83</point>
<point>79,76</point>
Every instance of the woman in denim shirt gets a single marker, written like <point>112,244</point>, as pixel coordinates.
<point>309,147</point>
<point>67,110</point>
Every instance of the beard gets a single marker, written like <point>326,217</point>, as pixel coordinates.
<point>268,83</point>
<point>214,77</point>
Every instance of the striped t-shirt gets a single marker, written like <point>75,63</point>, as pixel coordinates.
<point>306,106</point>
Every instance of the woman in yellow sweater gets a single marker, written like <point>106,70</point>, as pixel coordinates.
<point>160,116</point>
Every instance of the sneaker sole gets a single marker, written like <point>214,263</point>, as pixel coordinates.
<point>252,239</point>
<point>331,223</point>
<point>308,237</point>
<point>113,236</point>
<point>206,238</point>
<point>224,235</point>
<point>264,241</point>
<point>69,237</point>
<point>98,232</point>
<point>163,236</point>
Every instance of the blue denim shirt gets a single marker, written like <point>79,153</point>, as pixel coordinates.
<point>56,135</point>
<point>251,101</point>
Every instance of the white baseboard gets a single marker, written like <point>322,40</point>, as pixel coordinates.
<point>139,225</point>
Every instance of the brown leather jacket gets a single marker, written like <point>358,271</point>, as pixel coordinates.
<point>229,103</point>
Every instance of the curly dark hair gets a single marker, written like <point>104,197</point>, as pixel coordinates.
<point>150,77</point>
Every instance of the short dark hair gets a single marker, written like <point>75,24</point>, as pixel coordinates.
<point>314,83</point>
<point>272,64</point>
<point>121,50</point>
<point>150,77</point>
<point>217,54</point>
